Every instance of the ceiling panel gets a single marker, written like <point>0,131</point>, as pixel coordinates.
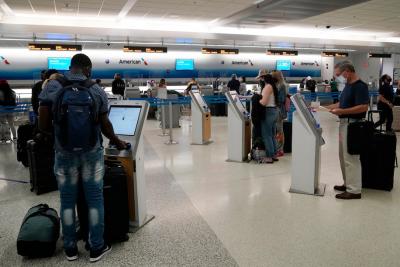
<point>371,15</point>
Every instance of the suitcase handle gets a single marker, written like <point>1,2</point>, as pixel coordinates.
<point>371,119</point>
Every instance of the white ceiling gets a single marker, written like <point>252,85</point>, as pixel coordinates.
<point>354,23</point>
<point>381,15</point>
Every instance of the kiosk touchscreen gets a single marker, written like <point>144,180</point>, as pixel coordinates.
<point>239,129</point>
<point>128,118</point>
<point>201,120</point>
<point>306,150</point>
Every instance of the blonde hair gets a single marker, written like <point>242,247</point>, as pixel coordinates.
<point>54,76</point>
<point>278,75</point>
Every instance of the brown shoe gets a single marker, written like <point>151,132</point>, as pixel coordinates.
<point>340,188</point>
<point>347,195</point>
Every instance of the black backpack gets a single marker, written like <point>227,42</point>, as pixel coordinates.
<point>39,232</point>
<point>75,114</point>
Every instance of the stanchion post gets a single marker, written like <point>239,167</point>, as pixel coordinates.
<point>171,140</point>
<point>163,118</point>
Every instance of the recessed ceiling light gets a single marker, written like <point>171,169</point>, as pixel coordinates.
<point>174,16</point>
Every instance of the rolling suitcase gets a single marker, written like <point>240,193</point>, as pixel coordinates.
<point>379,160</point>
<point>25,133</point>
<point>41,166</point>
<point>116,213</point>
<point>287,130</point>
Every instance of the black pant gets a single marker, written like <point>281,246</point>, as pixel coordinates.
<point>385,115</point>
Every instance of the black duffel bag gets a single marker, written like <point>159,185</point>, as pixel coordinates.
<point>39,232</point>
<point>359,135</point>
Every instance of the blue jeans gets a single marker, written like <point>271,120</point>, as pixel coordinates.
<point>268,131</point>
<point>68,168</point>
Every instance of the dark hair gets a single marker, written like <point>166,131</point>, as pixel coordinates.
<point>98,81</point>
<point>81,61</point>
<point>383,79</point>
<point>268,79</point>
<point>9,99</point>
<point>162,80</point>
<point>243,79</point>
<point>49,73</point>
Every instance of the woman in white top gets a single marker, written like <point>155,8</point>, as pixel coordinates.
<point>269,122</point>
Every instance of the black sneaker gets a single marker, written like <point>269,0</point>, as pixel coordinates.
<point>97,255</point>
<point>71,254</point>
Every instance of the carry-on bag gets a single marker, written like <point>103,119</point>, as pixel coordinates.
<point>287,130</point>
<point>25,133</point>
<point>39,232</point>
<point>116,212</point>
<point>41,166</point>
<point>379,160</point>
<point>359,134</point>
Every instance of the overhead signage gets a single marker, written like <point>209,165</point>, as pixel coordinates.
<point>54,47</point>
<point>334,54</point>
<point>282,52</point>
<point>145,49</point>
<point>222,51</point>
<point>380,55</point>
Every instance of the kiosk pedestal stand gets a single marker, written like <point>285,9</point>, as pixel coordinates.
<point>306,151</point>
<point>128,119</point>
<point>239,129</point>
<point>201,120</point>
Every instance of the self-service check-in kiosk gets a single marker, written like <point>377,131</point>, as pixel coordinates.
<point>201,120</point>
<point>132,92</point>
<point>306,150</point>
<point>127,118</point>
<point>239,129</point>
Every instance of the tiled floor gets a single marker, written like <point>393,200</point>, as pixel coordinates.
<point>204,204</point>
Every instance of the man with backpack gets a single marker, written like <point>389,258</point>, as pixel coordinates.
<point>78,108</point>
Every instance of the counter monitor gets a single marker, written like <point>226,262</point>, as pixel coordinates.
<point>124,119</point>
<point>58,63</point>
<point>184,64</point>
<point>283,64</point>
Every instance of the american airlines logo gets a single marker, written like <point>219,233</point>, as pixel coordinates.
<point>133,61</point>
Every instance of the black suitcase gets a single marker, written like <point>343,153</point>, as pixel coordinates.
<point>41,166</point>
<point>25,133</point>
<point>287,130</point>
<point>116,212</point>
<point>379,160</point>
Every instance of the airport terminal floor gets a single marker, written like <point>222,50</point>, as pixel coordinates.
<point>209,212</point>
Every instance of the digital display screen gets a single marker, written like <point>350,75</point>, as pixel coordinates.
<point>145,49</point>
<point>237,102</point>
<point>124,119</point>
<point>58,63</point>
<point>184,64</point>
<point>283,64</point>
<point>219,51</point>
<point>282,53</point>
<point>54,47</point>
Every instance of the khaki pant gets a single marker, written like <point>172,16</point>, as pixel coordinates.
<point>350,164</point>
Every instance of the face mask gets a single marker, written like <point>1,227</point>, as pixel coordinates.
<point>341,79</point>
